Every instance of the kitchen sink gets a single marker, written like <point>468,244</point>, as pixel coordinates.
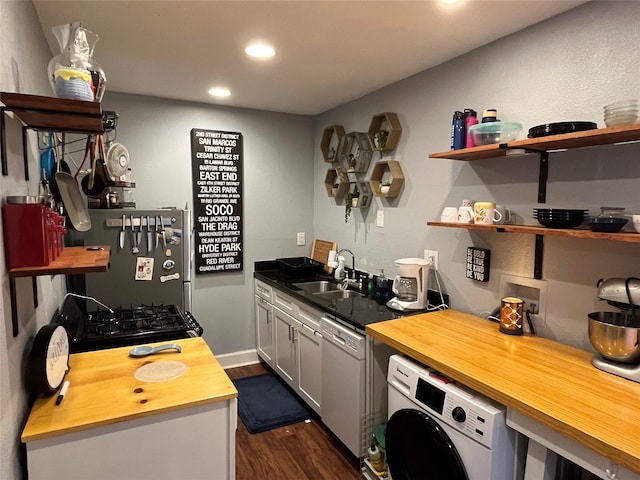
<point>317,286</point>
<point>337,294</point>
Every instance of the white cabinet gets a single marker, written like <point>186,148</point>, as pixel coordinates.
<point>288,339</point>
<point>285,358</point>
<point>265,345</point>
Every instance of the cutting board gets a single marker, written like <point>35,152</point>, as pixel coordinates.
<point>320,252</point>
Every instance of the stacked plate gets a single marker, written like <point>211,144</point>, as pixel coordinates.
<point>624,112</point>
<point>559,217</point>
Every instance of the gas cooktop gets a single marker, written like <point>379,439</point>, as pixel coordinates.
<point>123,326</point>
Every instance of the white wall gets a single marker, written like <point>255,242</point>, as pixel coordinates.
<point>24,56</point>
<point>278,179</point>
<point>566,68</point>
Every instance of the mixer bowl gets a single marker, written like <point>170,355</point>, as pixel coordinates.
<point>615,336</point>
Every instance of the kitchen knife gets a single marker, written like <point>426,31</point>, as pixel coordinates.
<point>139,234</point>
<point>158,230</point>
<point>134,244</point>
<point>149,235</point>
<point>123,232</point>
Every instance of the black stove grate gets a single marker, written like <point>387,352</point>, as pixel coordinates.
<point>134,325</point>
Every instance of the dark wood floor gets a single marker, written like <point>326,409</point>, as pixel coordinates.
<point>303,451</point>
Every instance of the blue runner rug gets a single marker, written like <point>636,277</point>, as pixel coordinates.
<point>265,403</point>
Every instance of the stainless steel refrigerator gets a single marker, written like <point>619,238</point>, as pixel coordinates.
<point>151,260</point>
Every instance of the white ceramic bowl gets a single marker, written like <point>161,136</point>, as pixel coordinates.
<point>636,222</point>
<point>622,104</point>
<point>620,120</point>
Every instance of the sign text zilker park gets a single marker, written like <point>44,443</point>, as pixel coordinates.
<point>216,166</point>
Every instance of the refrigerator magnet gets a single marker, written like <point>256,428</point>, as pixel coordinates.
<point>144,268</point>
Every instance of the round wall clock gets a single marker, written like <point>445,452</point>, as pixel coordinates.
<point>49,359</point>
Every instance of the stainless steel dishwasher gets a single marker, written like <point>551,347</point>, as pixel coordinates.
<point>343,382</point>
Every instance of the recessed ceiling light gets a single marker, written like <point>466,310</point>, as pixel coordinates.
<point>219,92</point>
<point>260,50</point>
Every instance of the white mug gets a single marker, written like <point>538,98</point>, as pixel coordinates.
<point>449,215</point>
<point>505,213</point>
<point>465,214</point>
<point>486,213</point>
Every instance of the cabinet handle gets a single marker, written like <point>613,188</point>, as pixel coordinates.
<point>268,317</point>
<point>289,332</point>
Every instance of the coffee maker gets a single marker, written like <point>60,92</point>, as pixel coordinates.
<point>410,285</point>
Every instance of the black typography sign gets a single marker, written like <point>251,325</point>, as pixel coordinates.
<point>478,264</point>
<point>216,168</point>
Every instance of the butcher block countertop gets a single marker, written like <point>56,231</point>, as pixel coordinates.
<point>551,383</point>
<point>103,389</point>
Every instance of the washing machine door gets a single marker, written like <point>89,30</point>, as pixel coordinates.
<point>418,448</point>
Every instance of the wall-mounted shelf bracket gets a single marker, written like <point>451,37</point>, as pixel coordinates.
<point>538,257</point>
<point>543,171</point>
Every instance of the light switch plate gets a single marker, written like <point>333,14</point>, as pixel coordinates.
<point>380,219</point>
<point>301,238</point>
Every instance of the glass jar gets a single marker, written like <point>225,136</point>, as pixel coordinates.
<point>74,73</point>
<point>617,212</point>
<point>612,212</point>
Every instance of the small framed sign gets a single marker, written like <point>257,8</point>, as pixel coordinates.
<point>478,261</point>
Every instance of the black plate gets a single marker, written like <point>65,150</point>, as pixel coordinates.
<point>559,128</point>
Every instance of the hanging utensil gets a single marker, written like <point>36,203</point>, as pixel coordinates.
<point>48,161</point>
<point>139,234</point>
<point>134,244</point>
<point>123,232</point>
<point>149,236</point>
<point>158,229</point>
<point>96,184</point>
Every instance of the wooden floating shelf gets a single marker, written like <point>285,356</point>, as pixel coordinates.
<point>56,114</point>
<point>588,138</point>
<point>535,230</point>
<point>72,260</point>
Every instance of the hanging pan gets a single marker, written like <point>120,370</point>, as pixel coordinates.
<point>96,183</point>
<point>69,193</point>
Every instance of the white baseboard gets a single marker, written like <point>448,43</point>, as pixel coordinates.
<point>238,359</point>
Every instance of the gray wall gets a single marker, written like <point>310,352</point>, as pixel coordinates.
<point>24,55</point>
<point>566,68</point>
<point>278,179</point>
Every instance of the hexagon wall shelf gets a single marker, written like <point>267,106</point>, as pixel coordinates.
<point>330,143</point>
<point>336,176</point>
<point>355,152</point>
<point>385,121</point>
<point>387,170</point>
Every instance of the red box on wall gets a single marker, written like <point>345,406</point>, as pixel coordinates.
<point>32,235</point>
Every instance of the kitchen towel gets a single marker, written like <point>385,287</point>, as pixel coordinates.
<point>264,403</point>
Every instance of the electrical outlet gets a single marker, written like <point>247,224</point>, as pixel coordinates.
<point>380,219</point>
<point>301,238</point>
<point>533,292</point>
<point>432,256</point>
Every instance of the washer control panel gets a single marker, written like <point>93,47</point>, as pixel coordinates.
<point>463,409</point>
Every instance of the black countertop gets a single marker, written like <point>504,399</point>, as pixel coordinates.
<point>356,311</point>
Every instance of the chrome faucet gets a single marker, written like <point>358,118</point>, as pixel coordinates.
<point>353,262</point>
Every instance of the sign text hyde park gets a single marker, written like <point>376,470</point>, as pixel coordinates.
<point>216,160</point>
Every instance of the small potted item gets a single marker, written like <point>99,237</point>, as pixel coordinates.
<point>384,187</point>
<point>351,201</point>
<point>380,139</point>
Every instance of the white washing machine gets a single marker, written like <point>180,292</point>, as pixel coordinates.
<point>440,430</point>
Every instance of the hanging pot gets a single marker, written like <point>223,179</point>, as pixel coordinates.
<point>96,183</point>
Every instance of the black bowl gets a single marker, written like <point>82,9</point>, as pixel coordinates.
<point>559,211</point>
<point>560,222</point>
<point>607,224</point>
